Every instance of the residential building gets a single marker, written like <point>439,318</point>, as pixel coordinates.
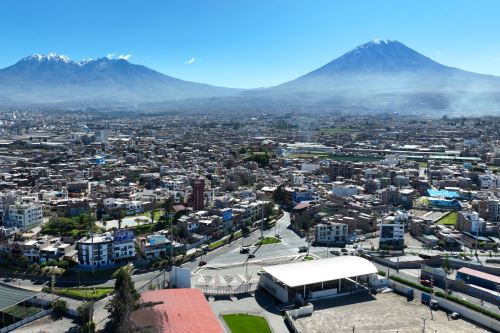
<point>198,197</point>
<point>330,233</point>
<point>24,216</point>
<point>391,233</point>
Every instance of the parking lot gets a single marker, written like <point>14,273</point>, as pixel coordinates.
<point>387,312</point>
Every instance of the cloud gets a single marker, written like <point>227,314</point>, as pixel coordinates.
<point>110,55</point>
<point>124,56</point>
<point>190,61</point>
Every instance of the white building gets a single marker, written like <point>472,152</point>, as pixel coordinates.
<point>489,181</point>
<point>342,189</point>
<point>329,233</point>
<point>318,279</point>
<point>494,210</point>
<point>392,231</point>
<point>132,207</point>
<point>298,179</point>
<point>106,249</point>
<point>6,199</point>
<point>24,216</point>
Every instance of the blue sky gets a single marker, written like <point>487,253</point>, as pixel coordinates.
<point>249,43</point>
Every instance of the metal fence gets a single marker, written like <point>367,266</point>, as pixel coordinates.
<point>26,320</point>
<point>212,290</point>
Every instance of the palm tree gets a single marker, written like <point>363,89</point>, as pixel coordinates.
<point>153,212</point>
<point>121,215</point>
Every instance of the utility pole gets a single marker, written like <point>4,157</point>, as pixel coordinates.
<point>477,236</point>
<point>262,223</point>
<point>172,242</point>
<point>92,246</point>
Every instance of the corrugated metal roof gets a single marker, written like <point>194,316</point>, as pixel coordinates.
<point>479,274</point>
<point>10,296</point>
<point>176,310</point>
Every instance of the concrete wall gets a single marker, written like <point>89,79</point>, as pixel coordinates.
<point>323,293</point>
<point>465,312</point>
<point>456,264</point>
<point>305,310</point>
<point>475,316</point>
<point>474,292</point>
<point>275,289</point>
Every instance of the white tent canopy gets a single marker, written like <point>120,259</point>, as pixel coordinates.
<point>317,271</point>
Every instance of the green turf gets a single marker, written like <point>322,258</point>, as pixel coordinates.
<point>217,244</point>
<point>243,323</point>
<point>448,219</point>
<point>307,258</point>
<point>21,312</point>
<point>268,240</point>
<point>157,214</point>
<point>83,293</point>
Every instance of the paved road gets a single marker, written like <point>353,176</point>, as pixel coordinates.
<point>414,278</point>
<point>229,255</point>
<point>37,283</point>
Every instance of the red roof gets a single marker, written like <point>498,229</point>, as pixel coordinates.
<point>176,311</point>
<point>479,274</point>
<point>302,205</point>
<point>178,208</point>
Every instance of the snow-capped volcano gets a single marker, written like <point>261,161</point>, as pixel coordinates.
<point>48,57</point>
<point>388,75</point>
<point>55,78</point>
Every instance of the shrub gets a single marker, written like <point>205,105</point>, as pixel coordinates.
<point>412,284</point>
<point>89,327</point>
<point>60,308</point>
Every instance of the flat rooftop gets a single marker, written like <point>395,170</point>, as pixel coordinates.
<point>386,312</point>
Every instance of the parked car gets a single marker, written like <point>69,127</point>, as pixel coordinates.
<point>335,252</point>
<point>425,282</point>
<point>202,263</point>
<point>278,236</point>
<point>455,315</point>
<point>344,250</point>
<point>302,249</point>
<point>244,250</point>
<point>355,246</point>
<point>251,255</point>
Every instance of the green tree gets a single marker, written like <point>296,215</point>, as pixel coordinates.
<point>153,212</point>
<point>279,195</point>
<point>59,308</point>
<point>123,302</point>
<point>121,215</point>
<point>86,313</point>
<point>167,206</point>
<point>445,264</point>
<point>268,209</point>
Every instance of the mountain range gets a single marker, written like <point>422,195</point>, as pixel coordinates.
<point>56,79</point>
<point>379,75</point>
